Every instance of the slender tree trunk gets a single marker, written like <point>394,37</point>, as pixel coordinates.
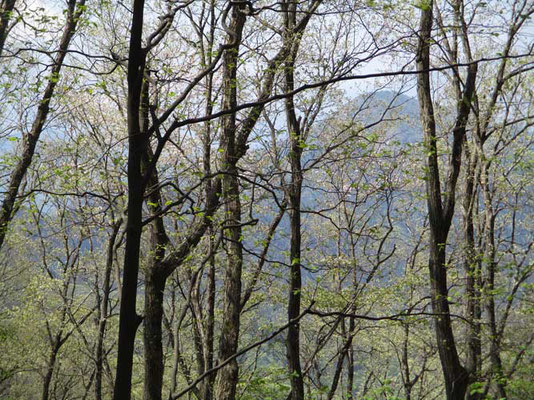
<point>405,363</point>
<point>74,12</point>
<point>472,271</point>
<point>176,354</point>
<point>128,320</point>
<point>350,362</point>
<point>491,268</point>
<point>207,385</point>
<point>343,352</point>
<point>198,323</point>
<point>208,345</point>
<point>106,287</point>
<point>294,196</point>
<point>295,280</point>
<point>50,368</point>
<point>228,375</point>
<point>352,325</point>
<point>495,353</point>
<point>207,389</point>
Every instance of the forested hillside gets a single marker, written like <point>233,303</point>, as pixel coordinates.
<point>266,199</point>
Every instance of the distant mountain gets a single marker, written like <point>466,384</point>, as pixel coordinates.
<point>403,107</point>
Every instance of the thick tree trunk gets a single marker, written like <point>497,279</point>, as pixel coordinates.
<point>155,276</point>
<point>74,12</point>
<point>440,210</point>
<point>456,378</point>
<point>295,284</point>
<point>128,320</point>
<point>154,289</point>
<point>228,375</point>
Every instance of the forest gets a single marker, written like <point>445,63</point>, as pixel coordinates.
<point>267,199</point>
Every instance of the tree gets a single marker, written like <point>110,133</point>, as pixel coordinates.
<point>441,209</point>
<point>230,199</point>
<point>73,15</point>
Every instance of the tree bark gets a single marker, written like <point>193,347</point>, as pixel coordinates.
<point>206,389</point>
<point>154,289</point>
<point>294,192</point>
<point>207,386</point>
<point>473,277</point>
<point>491,268</point>
<point>228,375</point>
<point>128,319</point>
<point>154,276</point>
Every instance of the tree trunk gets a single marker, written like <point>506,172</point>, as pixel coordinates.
<point>99,356</point>
<point>295,284</point>
<point>207,385</point>
<point>456,378</point>
<point>128,319</point>
<point>440,210</point>
<point>342,356</point>
<point>228,375</point>
<point>350,372</point>
<point>472,271</point>
<point>155,276</point>
<point>405,363</point>
<point>154,289</point>
<point>489,287</point>
<point>294,196</point>
<point>50,368</point>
